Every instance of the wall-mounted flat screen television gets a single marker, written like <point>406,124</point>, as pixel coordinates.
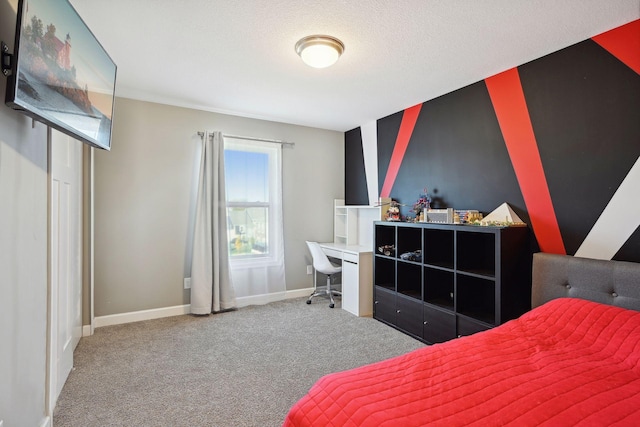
<point>61,75</point>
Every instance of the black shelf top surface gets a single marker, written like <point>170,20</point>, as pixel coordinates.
<point>440,303</point>
<point>440,266</point>
<point>480,274</point>
<point>406,261</point>
<point>388,286</point>
<point>435,225</point>
<point>483,318</point>
<point>411,294</point>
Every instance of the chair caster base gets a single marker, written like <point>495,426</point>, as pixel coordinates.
<point>308,301</point>
<point>331,305</point>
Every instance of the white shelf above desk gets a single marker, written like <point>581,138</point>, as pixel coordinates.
<point>353,224</point>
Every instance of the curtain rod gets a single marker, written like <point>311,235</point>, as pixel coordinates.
<point>251,138</point>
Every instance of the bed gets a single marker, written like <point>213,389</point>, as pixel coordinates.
<point>574,359</point>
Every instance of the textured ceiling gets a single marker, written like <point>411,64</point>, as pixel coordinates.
<point>238,57</point>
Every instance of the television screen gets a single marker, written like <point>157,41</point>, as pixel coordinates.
<point>61,74</point>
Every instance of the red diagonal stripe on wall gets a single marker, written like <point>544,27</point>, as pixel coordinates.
<point>510,106</point>
<point>623,43</point>
<point>409,118</point>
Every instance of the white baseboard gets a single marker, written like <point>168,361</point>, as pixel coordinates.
<point>45,423</point>
<point>277,296</point>
<point>136,316</point>
<point>299,293</point>
<point>157,313</point>
<point>86,330</point>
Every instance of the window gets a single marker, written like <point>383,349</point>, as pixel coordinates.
<point>252,179</point>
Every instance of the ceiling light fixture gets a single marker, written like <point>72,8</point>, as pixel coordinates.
<point>319,51</point>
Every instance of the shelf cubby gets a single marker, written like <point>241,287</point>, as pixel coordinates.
<point>384,236</point>
<point>475,298</point>
<point>409,240</point>
<point>385,273</point>
<point>437,247</point>
<point>476,252</point>
<point>409,280</point>
<point>438,287</point>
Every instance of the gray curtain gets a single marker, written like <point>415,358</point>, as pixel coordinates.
<point>211,287</point>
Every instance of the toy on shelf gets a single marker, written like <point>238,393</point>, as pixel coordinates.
<point>393,213</point>
<point>502,216</point>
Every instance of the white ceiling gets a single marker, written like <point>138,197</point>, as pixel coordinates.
<point>237,57</point>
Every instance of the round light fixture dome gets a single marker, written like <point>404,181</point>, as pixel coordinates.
<point>319,51</point>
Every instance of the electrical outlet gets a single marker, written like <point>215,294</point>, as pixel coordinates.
<point>187,282</point>
<point>309,269</point>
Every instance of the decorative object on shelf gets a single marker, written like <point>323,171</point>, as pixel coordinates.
<point>412,256</point>
<point>383,203</point>
<point>417,218</point>
<point>440,216</point>
<point>388,250</point>
<point>468,216</point>
<point>502,216</point>
<point>393,213</point>
<point>423,202</point>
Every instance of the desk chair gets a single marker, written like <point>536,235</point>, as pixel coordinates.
<point>322,264</point>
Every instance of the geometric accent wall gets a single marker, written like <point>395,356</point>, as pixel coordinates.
<point>557,138</point>
<point>355,180</point>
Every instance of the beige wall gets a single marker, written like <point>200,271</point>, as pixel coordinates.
<point>23,257</point>
<point>145,198</point>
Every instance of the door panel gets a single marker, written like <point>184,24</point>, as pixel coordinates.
<point>384,305</point>
<point>409,315</point>
<point>350,287</point>
<point>468,326</point>
<point>65,256</point>
<point>439,326</point>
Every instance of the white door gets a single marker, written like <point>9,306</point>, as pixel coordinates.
<point>65,258</point>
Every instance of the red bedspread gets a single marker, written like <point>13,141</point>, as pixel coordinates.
<point>568,362</point>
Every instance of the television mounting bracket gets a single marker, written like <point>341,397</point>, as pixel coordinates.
<point>7,60</point>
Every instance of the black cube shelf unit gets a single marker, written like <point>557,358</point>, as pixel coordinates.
<point>468,278</point>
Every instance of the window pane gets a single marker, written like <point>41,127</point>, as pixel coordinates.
<point>247,231</point>
<point>247,176</point>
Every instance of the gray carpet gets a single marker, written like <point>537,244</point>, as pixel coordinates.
<point>240,368</point>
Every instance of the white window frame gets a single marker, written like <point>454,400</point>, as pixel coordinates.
<point>275,185</point>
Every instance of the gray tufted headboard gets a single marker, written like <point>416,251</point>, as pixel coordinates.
<point>608,282</point>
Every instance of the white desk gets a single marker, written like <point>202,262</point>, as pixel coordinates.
<point>357,276</point>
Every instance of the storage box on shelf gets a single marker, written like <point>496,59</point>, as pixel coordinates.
<point>465,279</point>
